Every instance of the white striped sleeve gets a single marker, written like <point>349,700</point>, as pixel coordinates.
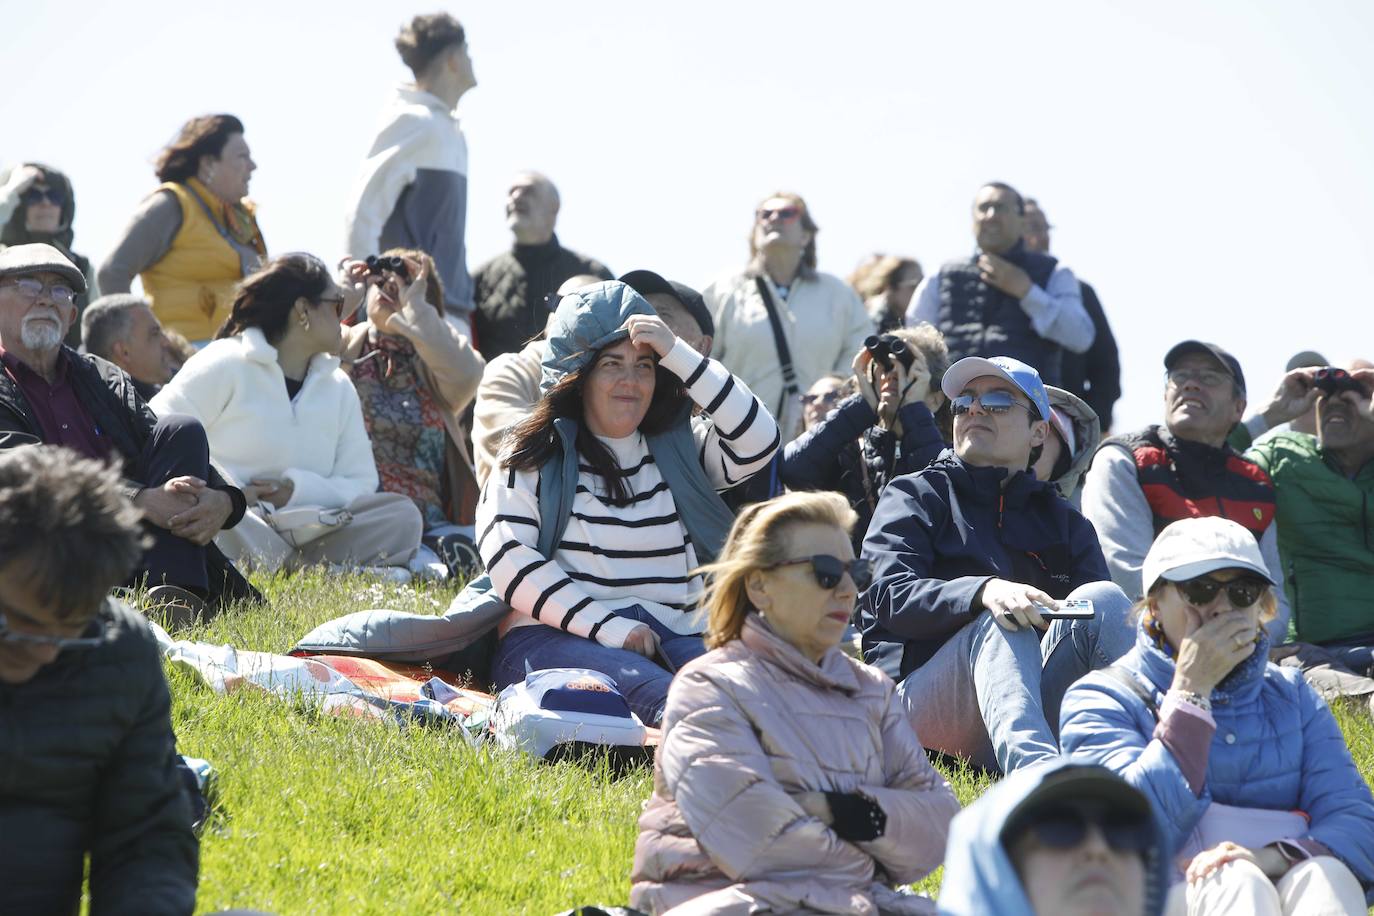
<point>508,522</point>
<point>741,436</point>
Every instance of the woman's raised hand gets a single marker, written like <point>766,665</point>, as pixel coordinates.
<point>1208,651</point>
<point>650,331</point>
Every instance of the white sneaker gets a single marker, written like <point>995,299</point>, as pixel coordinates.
<point>427,565</point>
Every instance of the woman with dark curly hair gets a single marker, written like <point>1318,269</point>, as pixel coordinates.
<point>195,237</point>
<point>605,499</point>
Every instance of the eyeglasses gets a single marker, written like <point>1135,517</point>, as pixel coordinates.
<point>1207,378</point>
<point>337,301</point>
<point>1202,591</point>
<point>830,570</point>
<point>1066,827</point>
<point>61,642</point>
<point>36,195</point>
<point>828,397</point>
<point>31,289</point>
<point>786,214</point>
<point>993,402</point>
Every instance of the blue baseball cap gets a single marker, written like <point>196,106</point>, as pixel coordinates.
<point>1018,373</point>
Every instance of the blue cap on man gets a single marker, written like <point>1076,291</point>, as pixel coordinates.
<point>1023,376</point>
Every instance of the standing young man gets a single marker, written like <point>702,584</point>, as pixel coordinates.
<point>413,190</point>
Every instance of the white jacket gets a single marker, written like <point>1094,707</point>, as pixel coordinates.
<point>825,322</point>
<point>236,389</point>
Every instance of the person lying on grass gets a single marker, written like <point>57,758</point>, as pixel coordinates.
<point>788,777</point>
<point>87,753</point>
<point>613,457</point>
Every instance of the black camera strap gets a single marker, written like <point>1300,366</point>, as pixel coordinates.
<point>789,375</point>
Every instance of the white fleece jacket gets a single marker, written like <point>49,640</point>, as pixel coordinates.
<point>236,389</point>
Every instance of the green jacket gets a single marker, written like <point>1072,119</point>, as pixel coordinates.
<point>1326,538</point>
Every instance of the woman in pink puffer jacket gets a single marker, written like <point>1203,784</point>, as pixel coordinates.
<point>788,778</point>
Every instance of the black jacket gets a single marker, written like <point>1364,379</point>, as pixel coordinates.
<point>509,293</point>
<point>940,534</point>
<point>87,765</point>
<point>109,394</point>
<point>1095,376</point>
<point>849,452</point>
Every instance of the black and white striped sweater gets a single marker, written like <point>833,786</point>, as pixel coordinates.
<point>615,555</point>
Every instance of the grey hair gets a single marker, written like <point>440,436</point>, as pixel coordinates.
<point>66,519</point>
<point>106,321</point>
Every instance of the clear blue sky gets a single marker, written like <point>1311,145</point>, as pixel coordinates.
<point>1207,166</point>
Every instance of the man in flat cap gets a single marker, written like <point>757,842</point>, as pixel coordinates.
<point>51,394</point>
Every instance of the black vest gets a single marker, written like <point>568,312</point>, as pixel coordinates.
<point>981,320</point>
<point>1183,479</point>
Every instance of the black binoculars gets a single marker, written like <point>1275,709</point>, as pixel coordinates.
<point>1333,381</point>
<point>379,265</point>
<point>884,348</point>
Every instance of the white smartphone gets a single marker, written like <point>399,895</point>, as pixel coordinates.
<point>1070,609</point>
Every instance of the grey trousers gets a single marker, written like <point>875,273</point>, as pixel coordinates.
<point>385,531</point>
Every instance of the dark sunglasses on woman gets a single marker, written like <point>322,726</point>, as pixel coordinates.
<point>1065,826</point>
<point>1202,591</point>
<point>35,195</point>
<point>830,570</point>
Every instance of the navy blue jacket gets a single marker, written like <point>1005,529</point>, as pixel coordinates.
<point>940,534</point>
<point>849,452</point>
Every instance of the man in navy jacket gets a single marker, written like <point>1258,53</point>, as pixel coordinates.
<point>969,555</point>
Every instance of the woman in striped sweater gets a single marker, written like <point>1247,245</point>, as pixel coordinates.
<point>615,461</point>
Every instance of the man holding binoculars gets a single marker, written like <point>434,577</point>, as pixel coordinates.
<point>1325,491</point>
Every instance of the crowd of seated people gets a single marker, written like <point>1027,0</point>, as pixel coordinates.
<point>697,495</point>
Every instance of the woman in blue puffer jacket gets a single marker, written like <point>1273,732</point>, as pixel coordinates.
<point>1242,760</point>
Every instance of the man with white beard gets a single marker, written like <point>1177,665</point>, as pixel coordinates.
<point>51,394</point>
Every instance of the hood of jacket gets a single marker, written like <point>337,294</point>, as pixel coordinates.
<point>1087,430</point>
<point>979,875</point>
<point>585,322</point>
<point>14,232</point>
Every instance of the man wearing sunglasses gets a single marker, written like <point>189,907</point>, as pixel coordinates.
<point>86,746</point>
<point>1325,488</point>
<point>1141,482</point>
<point>1066,839</point>
<point>969,556</point>
<point>51,394</point>
<point>1006,298</point>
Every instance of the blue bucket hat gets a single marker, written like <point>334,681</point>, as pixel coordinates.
<point>587,321</point>
<point>1024,377</point>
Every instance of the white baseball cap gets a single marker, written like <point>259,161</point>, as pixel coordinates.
<point>1193,547</point>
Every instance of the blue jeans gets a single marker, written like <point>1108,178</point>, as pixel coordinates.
<point>993,695</point>
<point>643,683</point>
<point>1356,654</point>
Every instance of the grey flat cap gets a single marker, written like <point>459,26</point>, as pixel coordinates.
<point>36,257</point>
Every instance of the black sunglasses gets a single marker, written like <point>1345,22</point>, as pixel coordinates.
<point>34,195</point>
<point>830,570</point>
<point>95,635</point>
<point>1066,827</point>
<point>994,402</point>
<point>1202,591</point>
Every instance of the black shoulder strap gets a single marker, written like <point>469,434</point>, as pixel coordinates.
<point>1122,675</point>
<point>789,375</point>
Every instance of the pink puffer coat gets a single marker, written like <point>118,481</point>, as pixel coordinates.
<point>747,726</point>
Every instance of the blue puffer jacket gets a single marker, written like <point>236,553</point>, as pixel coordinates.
<point>1276,746</point>
<point>980,878</point>
<point>940,534</point>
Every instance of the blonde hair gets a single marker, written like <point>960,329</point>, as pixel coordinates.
<point>758,539</point>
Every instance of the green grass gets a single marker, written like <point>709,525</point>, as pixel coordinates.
<point>320,814</point>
